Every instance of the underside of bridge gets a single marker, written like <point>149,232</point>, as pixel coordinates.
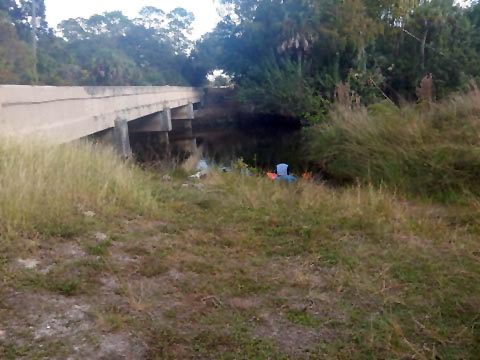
<point>160,124</point>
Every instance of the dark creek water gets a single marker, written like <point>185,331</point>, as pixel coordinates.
<point>259,146</point>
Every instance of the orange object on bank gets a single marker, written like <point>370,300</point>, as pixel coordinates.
<point>307,176</point>
<point>272,176</point>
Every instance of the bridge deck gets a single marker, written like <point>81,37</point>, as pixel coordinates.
<point>62,114</point>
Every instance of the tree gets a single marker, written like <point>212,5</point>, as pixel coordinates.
<point>380,47</point>
<point>15,57</point>
<point>104,49</point>
<point>21,15</point>
<point>152,18</point>
<point>148,50</point>
<point>179,28</point>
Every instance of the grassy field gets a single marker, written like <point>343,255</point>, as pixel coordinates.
<point>100,260</point>
<point>432,151</point>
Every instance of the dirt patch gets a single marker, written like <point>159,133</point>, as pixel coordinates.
<point>39,321</point>
<point>38,317</point>
<point>290,338</point>
<point>60,324</point>
<point>245,303</point>
<point>119,347</point>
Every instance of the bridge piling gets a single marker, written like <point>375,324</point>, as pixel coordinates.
<point>121,138</point>
<point>182,126</point>
<point>157,122</point>
<point>182,118</point>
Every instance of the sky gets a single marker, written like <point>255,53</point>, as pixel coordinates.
<point>204,10</point>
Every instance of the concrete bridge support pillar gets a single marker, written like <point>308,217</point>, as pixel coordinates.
<point>182,118</point>
<point>121,138</point>
<point>159,123</point>
<point>182,126</point>
<point>183,112</point>
<point>164,138</point>
<point>188,146</point>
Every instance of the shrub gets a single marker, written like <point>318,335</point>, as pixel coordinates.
<point>281,89</point>
<point>432,152</point>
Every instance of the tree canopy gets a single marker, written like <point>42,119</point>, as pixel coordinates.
<point>287,56</point>
<point>105,49</point>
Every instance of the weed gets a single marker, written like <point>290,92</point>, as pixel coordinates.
<point>65,285</point>
<point>72,278</point>
<point>99,249</point>
<point>229,337</point>
<point>201,267</point>
<point>170,314</point>
<point>163,343</point>
<point>241,284</point>
<point>113,318</point>
<point>64,230</point>
<point>153,265</point>
<point>302,317</point>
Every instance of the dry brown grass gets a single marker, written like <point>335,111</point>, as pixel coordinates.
<point>47,190</point>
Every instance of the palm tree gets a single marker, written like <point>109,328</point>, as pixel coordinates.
<point>298,30</point>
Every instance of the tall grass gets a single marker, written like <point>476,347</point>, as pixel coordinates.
<point>433,152</point>
<point>46,189</point>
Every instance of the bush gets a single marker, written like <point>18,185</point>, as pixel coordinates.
<point>281,89</point>
<point>432,152</point>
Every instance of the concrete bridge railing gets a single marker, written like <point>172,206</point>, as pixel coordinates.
<point>63,114</point>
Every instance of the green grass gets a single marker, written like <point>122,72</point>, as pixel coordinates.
<point>100,248</point>
<point>302,317</point>
<point>243,268</point>
<point>68,278</point>
<point>431,152</point>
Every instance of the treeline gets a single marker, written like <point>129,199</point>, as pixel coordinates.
<point>288,57</point>
<point>107,49</point>
<point>294,56</point>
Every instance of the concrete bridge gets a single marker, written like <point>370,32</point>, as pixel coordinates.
<point>63,114</point>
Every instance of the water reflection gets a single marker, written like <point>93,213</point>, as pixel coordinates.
<point>261,147</point>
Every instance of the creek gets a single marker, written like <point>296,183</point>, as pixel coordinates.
<point>261,145</point>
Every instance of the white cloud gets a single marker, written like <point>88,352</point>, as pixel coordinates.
<point>204,10</point>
